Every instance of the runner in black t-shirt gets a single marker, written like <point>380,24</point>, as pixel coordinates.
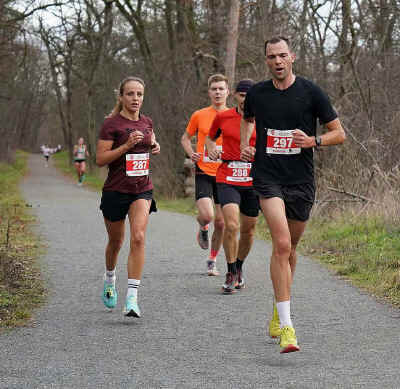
<point>286,110</point>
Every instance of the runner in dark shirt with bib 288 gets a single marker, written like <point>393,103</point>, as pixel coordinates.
<point>285,110</point>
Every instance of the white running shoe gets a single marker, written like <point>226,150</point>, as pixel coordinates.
<point>212,268</point>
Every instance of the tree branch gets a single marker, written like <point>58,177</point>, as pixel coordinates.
<point>355,195</point>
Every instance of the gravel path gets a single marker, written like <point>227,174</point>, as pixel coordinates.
<point>190,335</point>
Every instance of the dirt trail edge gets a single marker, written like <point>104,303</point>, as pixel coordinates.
<point>190,335</point>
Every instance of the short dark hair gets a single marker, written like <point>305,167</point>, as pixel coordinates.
<point>275,39</point>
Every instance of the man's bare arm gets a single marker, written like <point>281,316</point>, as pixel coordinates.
<point>187,146</point>
<point>334,136</point>
<point>211,145</point>
<point>246,128</point>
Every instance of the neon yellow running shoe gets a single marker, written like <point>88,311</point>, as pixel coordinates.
<point>274,324</point>
<point>288,340</point>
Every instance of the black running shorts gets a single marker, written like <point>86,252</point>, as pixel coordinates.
<point>243,196</point>
<point>115,205</point>
<point>298,198</point>
<point>205,186</point>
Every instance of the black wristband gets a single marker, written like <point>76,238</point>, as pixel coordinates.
<point>318,141</point>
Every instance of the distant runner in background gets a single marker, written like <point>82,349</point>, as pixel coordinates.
<point>237,197</point>
<point>80,154</point>
<point>47,151</point>
<point>206,169</point>
<point>125,143</point>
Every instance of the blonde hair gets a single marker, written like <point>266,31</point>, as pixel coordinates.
<point>217,78</point>
<point>120,91</point>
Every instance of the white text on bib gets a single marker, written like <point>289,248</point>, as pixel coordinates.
<point>137,164</point>
<point>281,142</point>
<point>238,171</point>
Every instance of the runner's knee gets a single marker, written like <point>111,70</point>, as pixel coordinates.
<point>248,230</point>
<point>219,224</point>
<point>231,226</point>
<point>115,243</point>
<point>137,239</point>
<point>206,218</point>
<point>282,247</point>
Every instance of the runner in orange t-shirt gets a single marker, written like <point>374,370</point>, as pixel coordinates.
<point>238,199</point>
<point>206,169</point>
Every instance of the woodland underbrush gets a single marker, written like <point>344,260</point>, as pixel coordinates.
<point>21,286</point>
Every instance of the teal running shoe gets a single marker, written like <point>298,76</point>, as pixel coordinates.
<point>131,307</point>
<point>110,295</point>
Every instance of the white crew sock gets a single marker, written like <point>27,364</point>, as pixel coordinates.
<point>133,286</point>
<point>283,308</point>
<point>110,276</point>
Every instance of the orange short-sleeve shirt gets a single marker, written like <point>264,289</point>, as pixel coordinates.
<point>200,124</point>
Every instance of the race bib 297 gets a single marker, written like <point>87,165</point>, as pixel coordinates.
<point>281,142</point>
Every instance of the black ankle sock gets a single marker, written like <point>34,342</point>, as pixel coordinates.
<point>239,264</point>
<point>232,268</point>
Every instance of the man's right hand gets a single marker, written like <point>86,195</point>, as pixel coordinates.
<point>247,154</point>
<point>195,157</point>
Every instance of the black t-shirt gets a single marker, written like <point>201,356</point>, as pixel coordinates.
<point>277,112</point>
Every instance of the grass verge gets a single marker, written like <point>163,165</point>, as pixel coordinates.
<point>61,162</point>
<point>21,286</point>
<point>365,250</point>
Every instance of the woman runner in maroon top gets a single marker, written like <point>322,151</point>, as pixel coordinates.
<point>125,143</point>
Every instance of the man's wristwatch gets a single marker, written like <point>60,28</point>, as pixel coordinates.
<point>318,141</point>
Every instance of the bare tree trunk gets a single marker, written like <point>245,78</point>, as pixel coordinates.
<point>64,105</point>
<point>134,16</point>
<point>232,41</point>
<point>216,33</point>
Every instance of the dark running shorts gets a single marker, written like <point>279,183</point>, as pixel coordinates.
<point>245,197</point>
<point>298,199</point>
<point>205,186</point>
<point>115,205</point>
<point>79,160</point>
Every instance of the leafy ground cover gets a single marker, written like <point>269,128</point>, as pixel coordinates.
<point>21,286</point>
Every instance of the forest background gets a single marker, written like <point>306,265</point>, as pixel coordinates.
<point>61,62</point>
